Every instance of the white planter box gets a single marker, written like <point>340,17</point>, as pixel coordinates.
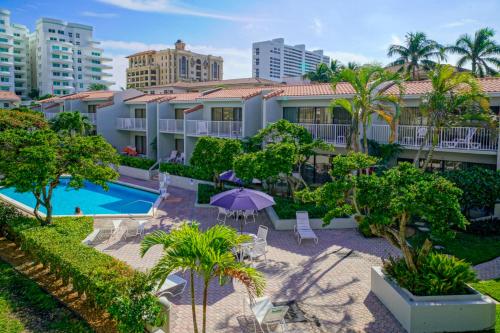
<point>426,314</point>
<point>187,183</point>
<point>337,223</point>
<point>134,172</point>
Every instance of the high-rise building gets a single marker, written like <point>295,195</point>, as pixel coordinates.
<point>66,58</point>
<point>155,68</point>
<point>15,74</point>
<point>274,60</point>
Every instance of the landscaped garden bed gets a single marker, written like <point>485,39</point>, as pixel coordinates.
<point>137,162</point>
<point>24,306</point>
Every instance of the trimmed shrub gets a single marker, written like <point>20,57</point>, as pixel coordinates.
<point>285,208</point>
<point>136,162</point>
<point>437,274</point>
<point>205,191</point>
<point>185,171</point>
<point>109,283</point>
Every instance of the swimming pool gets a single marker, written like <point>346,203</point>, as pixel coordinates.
<point>92,199</point>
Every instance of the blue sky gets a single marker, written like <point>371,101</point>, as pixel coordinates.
<point>356,30</point>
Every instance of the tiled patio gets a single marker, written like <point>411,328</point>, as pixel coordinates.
<point>330,281</point>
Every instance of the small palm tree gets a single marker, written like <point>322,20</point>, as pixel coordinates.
<point>417,52</point>
<point>71,122</point>
<point>98,86</point>
<point>322,74</point>
<point>207,254</point>
<point>453,94</point>
<point>481,51</point>
<point>370,83</point>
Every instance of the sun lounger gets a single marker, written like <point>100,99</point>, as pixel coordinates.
<point>267,314</point>
<point>174,285</point>
<point>303,229</point>
<point>91,237</point>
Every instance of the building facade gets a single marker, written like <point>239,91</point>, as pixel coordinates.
<point>164,67</point>
<point>66,58</point>
<point>274,60</point>
<point>15,70</point>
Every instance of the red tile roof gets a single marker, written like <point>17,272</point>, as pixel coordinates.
<point>146,98</point>
<point>193,109</point>
<point>489,85</point>
<point>183,97</point>
<point>239,93</point>
<point>228,83</point>
<point>103,105</point>
<point>318,89</point>
<point>84,96</point>
<point>9,96</point>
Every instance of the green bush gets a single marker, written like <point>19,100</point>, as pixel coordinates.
<point>110,284</point>
<point>205,191</point>
<point>137,162</point>
<point>188,171</point>
<point>437,274</point>
<point>285,208</point>
<point>364,229</point>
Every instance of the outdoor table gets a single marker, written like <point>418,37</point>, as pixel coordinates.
<point>243,247</point>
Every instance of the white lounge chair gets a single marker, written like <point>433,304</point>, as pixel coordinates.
<point>249,215</point>
<point>262,232</point>
<point>223,214</point>
<point>258,249</point>
<point>174,285</point>
<point>303,229</point>
<point>465,143</point>
<point>173,156</point>
<point>267,314</point>
<point>180,158</point>
<point>91,237</point>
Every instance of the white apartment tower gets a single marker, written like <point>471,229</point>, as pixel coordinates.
<point>66,58</point>
<point>274,60</point>
<point>15,73</point>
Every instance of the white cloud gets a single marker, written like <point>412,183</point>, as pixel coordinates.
<point>169,7</point>
<point>459,23</point>
<point>345,57</point>
<point>317,26</point>
<point>237,62</point>
<point>99,15</point>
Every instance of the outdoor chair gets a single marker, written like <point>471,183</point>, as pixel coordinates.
<point>173,156</point>
<point>463,143</point>
<point>180,158</point>
<point>105,232</point>
<point>248,215</point>
<point>257,249</point>
<point>303,229</point>
<point>223,214</point>
<point>267,314</point>
<point>134,228</point>
<point>89,240</point>
<point>174,285</point>
<point>262,232</point>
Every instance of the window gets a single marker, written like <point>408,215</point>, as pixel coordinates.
<point>79,76</point>
<point>52,38</point>
<point>62,40</point>
<point>52,31</point>
<point>179,113</point>
<point>91,108</point>
<point>226,114</point>
<point>55,47</point>
<point>54,64</point>
<point>316,115</point>
<point>16,34</point>
<point>140,144</point>
<point>55,56</point>
<point>65,57</point>
<point>257,51</point>
<point>79,69</point>
<point>4,79</point>
<point>77,43</point>
<point>4,69</point>
<point>70,34</point>
<point>57,83</point>
<point>179,145</point>
<point>79,60</point>
<point>64,48</point>
<point>5,105</point>
<point>81,85</point>
<point>77,35</point>
<point>140,113</point>
<point>56,74</point>
<point>4,40</point>
<point>4,59</point>
<point>2,30</point>
<point>4,49</point>
<point>79,52</point>
<point>60,32</point>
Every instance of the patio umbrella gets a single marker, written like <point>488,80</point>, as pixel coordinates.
<point>242,199</point>
<point>230,176</point>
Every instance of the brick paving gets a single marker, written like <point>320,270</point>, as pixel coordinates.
<point>330,281</point>
<point>488,270</point>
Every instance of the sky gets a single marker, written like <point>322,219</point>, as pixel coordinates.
<point>355,30</point>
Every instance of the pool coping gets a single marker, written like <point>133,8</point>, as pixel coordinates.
<point>150,213</point>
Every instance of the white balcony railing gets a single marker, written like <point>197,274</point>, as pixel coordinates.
<point>331,133</point>
<point>226,129</point>
<point>90,116</point>
<point>50,115</point>
<point>131,124</point>
<point>172,125</point>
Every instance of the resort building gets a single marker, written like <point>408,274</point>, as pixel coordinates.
<point>157,124</point>
<point>66,58</point>
<point>15,71</point>
<point>158,68</point>
<point>274,60</point>
<point>9,100</point>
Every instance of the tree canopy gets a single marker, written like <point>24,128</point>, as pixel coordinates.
<point>21,119</point>
<point>98,86</point>
<point>35,161</point>
<point>71,122</point>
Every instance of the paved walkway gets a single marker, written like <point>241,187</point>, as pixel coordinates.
<point>330,281</point>
<point>488,270</point>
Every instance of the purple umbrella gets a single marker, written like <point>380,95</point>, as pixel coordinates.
<point>242,199</point>
<point>230,176</point>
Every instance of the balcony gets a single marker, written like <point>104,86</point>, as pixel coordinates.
<point>450,138</point>
<point>50,115</point>
<point>131,124</point>
<point>222,129</point>
<point>171,125</point>
<point>335,134</point>
<point>90,116</point>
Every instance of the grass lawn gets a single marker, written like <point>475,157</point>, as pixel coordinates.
<point>24,307</point>
<point>472,248</point>
<point>492,289</point>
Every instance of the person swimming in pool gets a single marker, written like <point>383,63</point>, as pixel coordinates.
<point>78,211</point>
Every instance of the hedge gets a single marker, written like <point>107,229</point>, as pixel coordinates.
<point>285,208</point>
<point>137,162</point>
<point>205,191</point>
<point>108,283</point>
<point>188,171</point>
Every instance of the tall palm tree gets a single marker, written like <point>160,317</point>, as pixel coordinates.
<point>208,255</point>
<point>322,74</point>
<point>453,95</point>
<point>418,52</point>
<point>481,51</point>
<point>71,122</point>
<point>370,83</point>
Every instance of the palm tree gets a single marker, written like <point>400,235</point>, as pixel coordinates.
<point>71,122</point>
<point>322,74</point>
<point>418,52</point>
<point>481,51</point>
<point>208,254</point>
<point>98,86</point>
<point>453,95</point>
<point>370,83</point>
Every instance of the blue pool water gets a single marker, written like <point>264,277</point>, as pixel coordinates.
<point>92,199</point>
